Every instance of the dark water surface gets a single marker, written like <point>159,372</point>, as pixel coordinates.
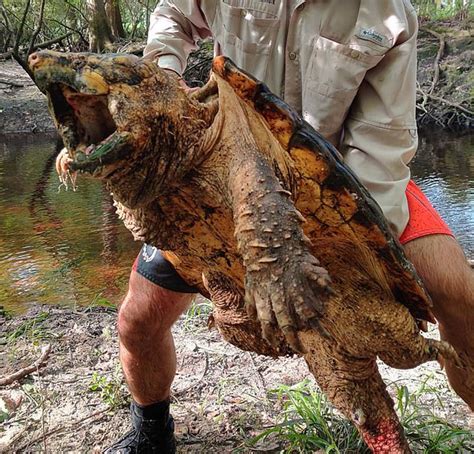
<point>56,247</point>
<point>69,248</point>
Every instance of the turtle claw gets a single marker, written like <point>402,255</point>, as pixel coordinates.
<point>293,302</point>
<point>291,337</point>
<point>270,333</point>
<point>316,326</point>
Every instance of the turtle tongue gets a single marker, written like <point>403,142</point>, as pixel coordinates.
<point>89,149</point>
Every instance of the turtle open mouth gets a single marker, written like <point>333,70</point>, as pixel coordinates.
<point>87,127</point>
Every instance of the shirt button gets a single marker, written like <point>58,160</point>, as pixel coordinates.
<point>292,55</point>
<point>354,54</point>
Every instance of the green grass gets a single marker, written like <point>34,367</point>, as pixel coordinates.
<point>309,423</point>
<point>197,315</point>
<point>5,313</point>
<point>101,301</point>
<point>31,329</point>
<point>426,431</point>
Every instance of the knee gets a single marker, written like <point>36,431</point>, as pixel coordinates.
<point>139,318</point>
<point>148,312</point>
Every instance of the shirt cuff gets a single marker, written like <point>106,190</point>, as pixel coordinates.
<point>170,62</point>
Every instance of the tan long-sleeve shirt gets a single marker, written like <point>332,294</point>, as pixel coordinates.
<point>348,67</point>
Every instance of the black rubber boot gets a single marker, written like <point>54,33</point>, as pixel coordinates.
<point>152,433</point>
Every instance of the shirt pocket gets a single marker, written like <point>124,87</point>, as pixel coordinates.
<point>247,35</point>
<point>333,75</point>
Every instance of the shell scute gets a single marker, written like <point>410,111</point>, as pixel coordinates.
<point>351,208</point>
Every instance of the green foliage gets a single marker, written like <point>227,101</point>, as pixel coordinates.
<point>196,316</point>
<point>309,423</point>
<point>101,301</point>
<point>30,329</point>
<point>443,9</point>
<point>5,313</point>
<point>427,432</point>
<point>109,388</point>
<point>62,17</point>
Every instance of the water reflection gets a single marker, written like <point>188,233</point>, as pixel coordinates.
<point>56,247</point>
<point>64,248</point>
<point>444,169</point>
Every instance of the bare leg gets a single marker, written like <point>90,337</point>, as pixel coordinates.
<point>147,350</point>
<point>441,264</point>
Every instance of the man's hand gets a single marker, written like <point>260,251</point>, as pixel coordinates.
<point>181,80</point>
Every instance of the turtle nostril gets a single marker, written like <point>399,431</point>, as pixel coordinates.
<point>33,59</point>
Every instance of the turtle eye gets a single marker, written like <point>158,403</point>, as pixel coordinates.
<point>78,64</point>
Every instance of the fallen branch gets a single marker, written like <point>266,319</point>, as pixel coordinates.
<point>46,44</point>
<point>40,362</point>
<point>6,55</point>
<point>12,84</point>
<point>62,427</point>
<point>43,45</point>
<point>422,106</point>
<point>452,104</point>
<point>439,54</point>
<point>445,101</point>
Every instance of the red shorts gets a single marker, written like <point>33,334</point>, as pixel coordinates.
<point>424,219</point>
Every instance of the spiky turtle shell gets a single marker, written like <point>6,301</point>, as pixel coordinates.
<point>345,202</point>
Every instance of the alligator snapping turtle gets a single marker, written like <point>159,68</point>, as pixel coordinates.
<point>259,212</point>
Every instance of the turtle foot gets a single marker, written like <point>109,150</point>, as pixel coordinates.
<point>290,298</point>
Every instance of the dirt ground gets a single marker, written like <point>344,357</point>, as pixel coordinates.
<point>77,402</point>
<point>23,108</point>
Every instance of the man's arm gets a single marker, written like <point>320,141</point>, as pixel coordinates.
<point>175,27</point>
<point>380,135</point>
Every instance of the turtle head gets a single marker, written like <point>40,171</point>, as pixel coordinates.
<point>117,113</point>
<point>82,91</point>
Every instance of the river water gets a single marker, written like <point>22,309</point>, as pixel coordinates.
<point>59,247</point>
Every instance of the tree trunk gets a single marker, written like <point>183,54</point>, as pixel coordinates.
<point>99,29</point>
<point>114,15</point>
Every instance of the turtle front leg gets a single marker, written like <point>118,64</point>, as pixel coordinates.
<point>285,286</point>
<point>232,321</point>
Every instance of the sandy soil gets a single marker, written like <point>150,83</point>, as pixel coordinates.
<point>220,396</point>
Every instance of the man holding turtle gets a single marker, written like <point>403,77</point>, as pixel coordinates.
<point>349,68</point>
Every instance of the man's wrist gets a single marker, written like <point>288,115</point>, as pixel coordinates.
<point>171,63</point>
